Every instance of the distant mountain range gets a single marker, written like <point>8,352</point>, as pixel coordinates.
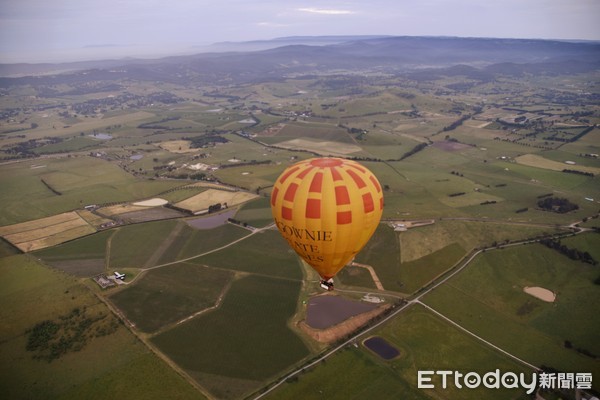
<point>282,57</point>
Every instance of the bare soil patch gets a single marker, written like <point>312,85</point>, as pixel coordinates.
<point>541,293</point>
<point>324,148</point>
<point>151,202</point>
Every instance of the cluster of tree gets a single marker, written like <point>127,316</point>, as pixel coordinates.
<point>582,134</point>
<point>574,171</point>
<point>559,205</point>
<point>414,150</point>
<point>214,207</point>
<point>571,252</point>
<point>456,123</point>
<point>25,148</point>
<point>485,203</point>
<point>156,124</point>
<point>50,340</point>
<point>456,173</point>
<point>56,192</point>
<point>237,222</point>
<point>456,194</point>
<point>580,350</point>
<point>245,163</point>
<point>358,132</point>
<point>206,140</point>
<point>500,185</point>
<point>522,210</point>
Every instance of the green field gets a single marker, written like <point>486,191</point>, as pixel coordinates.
<point>265,253</point>
<point>169,294</point>
<point>256,213</point>
<point>488,299</point>
<point>81,181</point>
<point>106,367</point>
<point>246,338</point>
<point>413,333</point>
<point>134,245</point>
<point>216,311</point>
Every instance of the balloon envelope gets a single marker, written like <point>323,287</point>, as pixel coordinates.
<point>327,209</point>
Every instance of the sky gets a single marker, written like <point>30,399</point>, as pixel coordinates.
<point>70,30</point>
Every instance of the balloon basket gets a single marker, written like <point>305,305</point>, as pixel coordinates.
<point>327,284</point>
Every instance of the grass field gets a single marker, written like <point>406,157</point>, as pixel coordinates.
<point>256,213</point>
<point>80,180</point>
<point>246,338</point>
<point>488,299</point>
<point>413,333</point>
<point>265,253</point>
<point>169,294</point>
<point>534,160</point>
<point>325,148</point>
<point>107,367</point>
<point>419,242</point>
<point>201,241</point>
<point>133,246</point>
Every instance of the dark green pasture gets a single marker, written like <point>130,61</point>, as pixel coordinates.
<point>79,180</point>
<point>246,338</point>
<point>425,342</point>
<point>169,294</point>
<point>112,366</point>
<point>264,253</point>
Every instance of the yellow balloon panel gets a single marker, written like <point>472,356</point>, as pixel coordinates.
<point>327,209</point>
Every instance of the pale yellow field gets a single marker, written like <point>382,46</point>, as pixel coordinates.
<point>58,238</point>
<point>178,146</point>
<point>419,242</point>
<point>324,148</point>
<point>93,219</point>
<point>209,197</point>
<point>38,223</point>
<point>533,160</point>
<point>120,209</point>
<point>45,232</point>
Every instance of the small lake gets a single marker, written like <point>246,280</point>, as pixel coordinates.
<point>381,347</point>
<point>212,221</point>
<point>325,311</point>
<point>101,136</point>
<point>136,157</point>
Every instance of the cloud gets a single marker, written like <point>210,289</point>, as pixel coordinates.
<point>325,11</point>
<point>272,25</point>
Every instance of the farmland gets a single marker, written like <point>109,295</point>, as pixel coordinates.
<point>211,304</point>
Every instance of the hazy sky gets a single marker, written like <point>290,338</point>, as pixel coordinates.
<point>57,30</point>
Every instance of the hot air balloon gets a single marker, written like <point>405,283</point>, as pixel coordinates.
<point>327,209</point>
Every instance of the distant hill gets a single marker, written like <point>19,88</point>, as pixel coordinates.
<point>306,55</point>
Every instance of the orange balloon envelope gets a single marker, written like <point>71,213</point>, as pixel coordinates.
<point>327,209</point>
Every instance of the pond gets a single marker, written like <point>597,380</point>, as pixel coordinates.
<point>381,347</point>
<point>328,310</point>
<point>212,221</point>
<point>101,136</point>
